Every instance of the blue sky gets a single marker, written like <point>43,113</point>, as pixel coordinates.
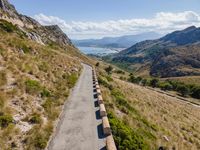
<point>71,14</point>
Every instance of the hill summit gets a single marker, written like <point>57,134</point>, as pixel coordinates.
<point>176,54</point>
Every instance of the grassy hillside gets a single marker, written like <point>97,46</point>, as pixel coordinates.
<point>144,119</point>
<point>176,54</point>
<point>35,81</point>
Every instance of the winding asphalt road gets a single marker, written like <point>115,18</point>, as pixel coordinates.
<point>80,125</point>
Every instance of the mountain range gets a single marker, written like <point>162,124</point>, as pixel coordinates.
<point>176,54</point>
<point>116,42</point>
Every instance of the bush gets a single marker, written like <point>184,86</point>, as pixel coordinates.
<point>35,119</point>
<point>120,99</point>
<point>5,120</point>
<point>105,83</point>
<point>109,69</point>
<point>6,26</point>
<point>109,78</point>
<point>45,93</point>
<point>144,82</point>
<point>25,48</point>
<point>71,79</point>
<point>134,79</point>
<point>183,90</point>
<point>125,137</point>
<point>196,92</point>
<point>165,86</point>
<point>119,72</point>
<point>32,87</point>
<point>154,83</point>
<point>38,137</point>
<point>97,64</point>
<point>40,142</point>
<point>122,78</point>
<point>50,110</point>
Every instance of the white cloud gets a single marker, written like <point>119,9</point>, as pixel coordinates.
<point>162,22</point>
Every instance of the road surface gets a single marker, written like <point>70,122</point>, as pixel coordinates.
<point>80,125</point>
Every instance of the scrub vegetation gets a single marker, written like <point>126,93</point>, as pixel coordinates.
<point>35,81</point>
<point>142,118</point>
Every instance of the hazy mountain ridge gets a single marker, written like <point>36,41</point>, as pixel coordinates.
<point>176,54</point>
<point>116,42</point>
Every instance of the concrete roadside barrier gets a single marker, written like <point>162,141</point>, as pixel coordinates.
<point>95,79</point>
<point>110,143</point>
<point>100,99</point>
<point>98,92</point>
<point>106,126</point>
<point>102,110</point>
<point>97,86</point>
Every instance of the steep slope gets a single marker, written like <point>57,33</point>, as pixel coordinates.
<point>34,30</point>
<point>176,54</point>
<point>38,67</point>
<point>142,118</point>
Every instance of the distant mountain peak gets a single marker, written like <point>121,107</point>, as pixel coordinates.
<point>190,28</point>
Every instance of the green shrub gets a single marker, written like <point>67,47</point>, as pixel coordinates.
<point>121,101</point>
<point>104,83</point>
<point>122,78</point>
<point>109,78</point>
<point>134,79</point>
<point>45,93</point>
<point>33,87</point>
<point>154,83</point>
<point>26,49</point>
<point>196,92</point>
<point>97,64</point>
<point>50,109</point>
<point>6,26</point>
<point>71,79</point>
<point>165,86</point>
<point>144,82</point>
<point>5,120</point>
<point>38,137</point>
<point>183,90</point>
<point>109,69</point>
<point>119,72</point>
<point>125,137</point>
<point>40,141</point>
<point>35,119</point>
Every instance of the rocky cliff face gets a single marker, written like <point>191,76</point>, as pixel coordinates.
<point>34,30</point>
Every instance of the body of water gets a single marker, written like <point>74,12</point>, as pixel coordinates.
<point>97,51</point>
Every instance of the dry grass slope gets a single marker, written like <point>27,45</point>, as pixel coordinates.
<point>159,120</point>
<point>35,81</point>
